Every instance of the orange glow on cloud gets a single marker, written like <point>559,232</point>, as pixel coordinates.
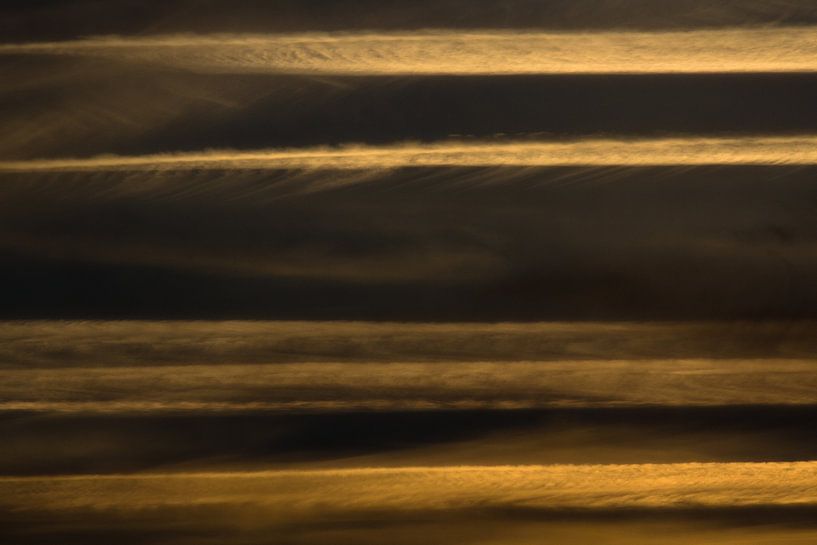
<point>651,486</point>
<point>751,150</point>
<point>486,52</point>
<point>411,386</point>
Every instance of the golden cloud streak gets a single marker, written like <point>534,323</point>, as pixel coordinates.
<point>55,343</point>
<point>486,52</point>
<point>768,150</point>
<point>307,492</point>
<point>411,386</point>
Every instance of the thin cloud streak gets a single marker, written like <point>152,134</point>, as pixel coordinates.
<point>760,150</point>
<point>309,492</point>
<point>411,386</point>
<point>64,344</point>
<point>485,52</point>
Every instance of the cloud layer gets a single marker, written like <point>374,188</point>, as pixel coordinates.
<point>287,493</point>
<point>470,272</point>
<point>462,53</point>
<point>110,367</point>
<point>412,386</point>
<point>462,244</point>
<point>589,153</point>
<point>64,344</point>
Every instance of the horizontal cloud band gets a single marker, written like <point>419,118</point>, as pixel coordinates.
<point>286,493</point>
<point>487,52</point>
<point>763,150</point>
<point>65,344</point>
<point>411,386</point>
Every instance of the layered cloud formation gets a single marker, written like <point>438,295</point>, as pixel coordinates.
<point>354,273</point>
<point>590,153</point>
<point>299,493</point>
<point>360,366</point>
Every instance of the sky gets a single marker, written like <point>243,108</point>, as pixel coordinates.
<point>484,272</point>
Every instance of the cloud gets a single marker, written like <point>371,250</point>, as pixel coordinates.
<point>344,163</point>
<point>55,102</point>
<point>299,492</point>
<point>486,52</point>
<point>614,504</point>
<point>60,443</point>
<point>387,386</point>
<point>510,243</point>
<point>56,344</point>
<point>60,107</point>
<point>770,150</point>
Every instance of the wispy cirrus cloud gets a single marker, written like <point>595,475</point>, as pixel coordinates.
<point>65,344</point>
<point>474,52</point>
<point>612,504</point>
<point>750,150</point>
<point>300,492</point>
<point>387,386</point>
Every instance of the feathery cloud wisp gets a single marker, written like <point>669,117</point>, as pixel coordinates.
<point>411,386</point>
<point>487,52</point>
<point>292,492</point>
<point>760,150</point>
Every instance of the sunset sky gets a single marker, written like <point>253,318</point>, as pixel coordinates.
<point>356,272</point>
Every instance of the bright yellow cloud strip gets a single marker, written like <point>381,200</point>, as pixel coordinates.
<point>487,52</point>
<point>411,386</point>
<point>309,492</point>
<point>769,150</point>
